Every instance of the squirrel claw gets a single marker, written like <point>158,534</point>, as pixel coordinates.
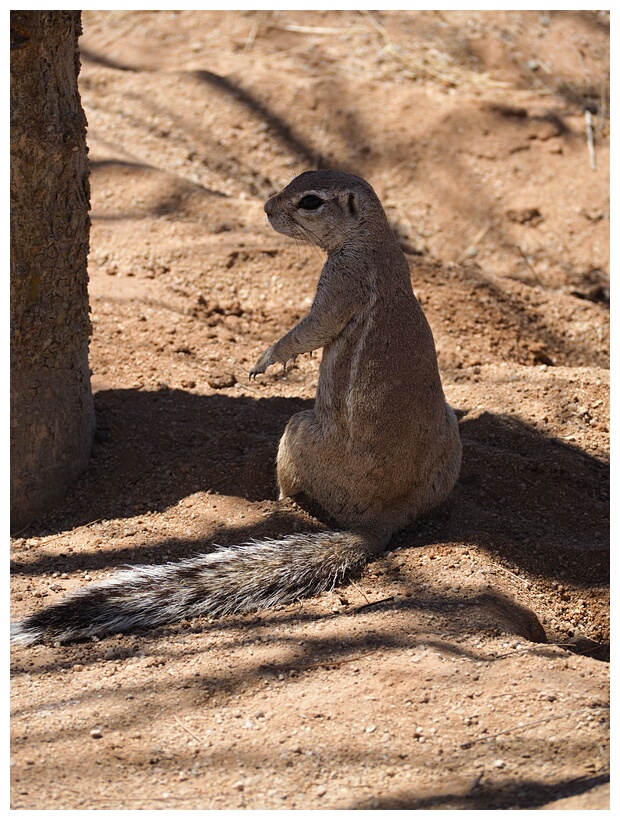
<point>263,363</point>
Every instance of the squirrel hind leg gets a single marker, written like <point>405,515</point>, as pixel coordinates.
<point>292,479</point>
<point>290,482</point>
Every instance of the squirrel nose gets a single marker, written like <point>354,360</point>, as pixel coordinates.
<point>268,206</point>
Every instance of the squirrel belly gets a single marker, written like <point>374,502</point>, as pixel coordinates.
<point>256,575</point>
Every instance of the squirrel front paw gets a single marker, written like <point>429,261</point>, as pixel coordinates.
<point>263,363</point>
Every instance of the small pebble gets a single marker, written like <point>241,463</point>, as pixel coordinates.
<point>221,380</point>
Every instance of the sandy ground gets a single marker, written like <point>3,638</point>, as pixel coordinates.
<point>468,668</point>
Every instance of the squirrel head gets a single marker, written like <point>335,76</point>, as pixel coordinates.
<point>326,208</point>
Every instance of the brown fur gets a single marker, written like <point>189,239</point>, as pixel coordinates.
<point>381,445</point>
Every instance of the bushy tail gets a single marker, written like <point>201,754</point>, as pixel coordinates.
<point>256,575</point>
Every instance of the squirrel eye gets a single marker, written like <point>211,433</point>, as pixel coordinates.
<point>310,202</point>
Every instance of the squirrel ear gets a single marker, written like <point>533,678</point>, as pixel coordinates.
<point>353,203</point>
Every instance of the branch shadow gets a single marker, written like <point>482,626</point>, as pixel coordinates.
<point>319,653</point>
<point>170,194</point>
<point>282,130</point>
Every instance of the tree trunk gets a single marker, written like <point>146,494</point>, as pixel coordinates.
<point>52,411</point>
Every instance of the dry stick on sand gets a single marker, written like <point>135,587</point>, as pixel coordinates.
<point>314,29</point>
<point>374,603</point>
<point>590,136</point>
<point>473,244</point>
<point>361,591</point>
<point>520,727</point>
<point>189,731</point>
<point>533,270</point>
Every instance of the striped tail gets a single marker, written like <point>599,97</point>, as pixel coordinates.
<point>256,575</point>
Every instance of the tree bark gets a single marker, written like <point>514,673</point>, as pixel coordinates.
<point>52,410</point>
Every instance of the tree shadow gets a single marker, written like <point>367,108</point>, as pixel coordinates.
<point>539,501</point>
<point>514,794</point>
<point>484,611</point>
<point>156,447</point>
<point>107,62</point>
<point>319,653</point>
<point>528,334</point>
<point>531,488</point>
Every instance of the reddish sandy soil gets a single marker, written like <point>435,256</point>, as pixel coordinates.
<point>468,668</point>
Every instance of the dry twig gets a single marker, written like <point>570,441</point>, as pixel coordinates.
<point>474,243</point>
<point>590,137</point>
<point>361,591</point>
<point>189,731</point>
<point>373,603</point>
<point>521,726</point>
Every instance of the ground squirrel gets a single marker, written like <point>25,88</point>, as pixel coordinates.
<point>380,447</point>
